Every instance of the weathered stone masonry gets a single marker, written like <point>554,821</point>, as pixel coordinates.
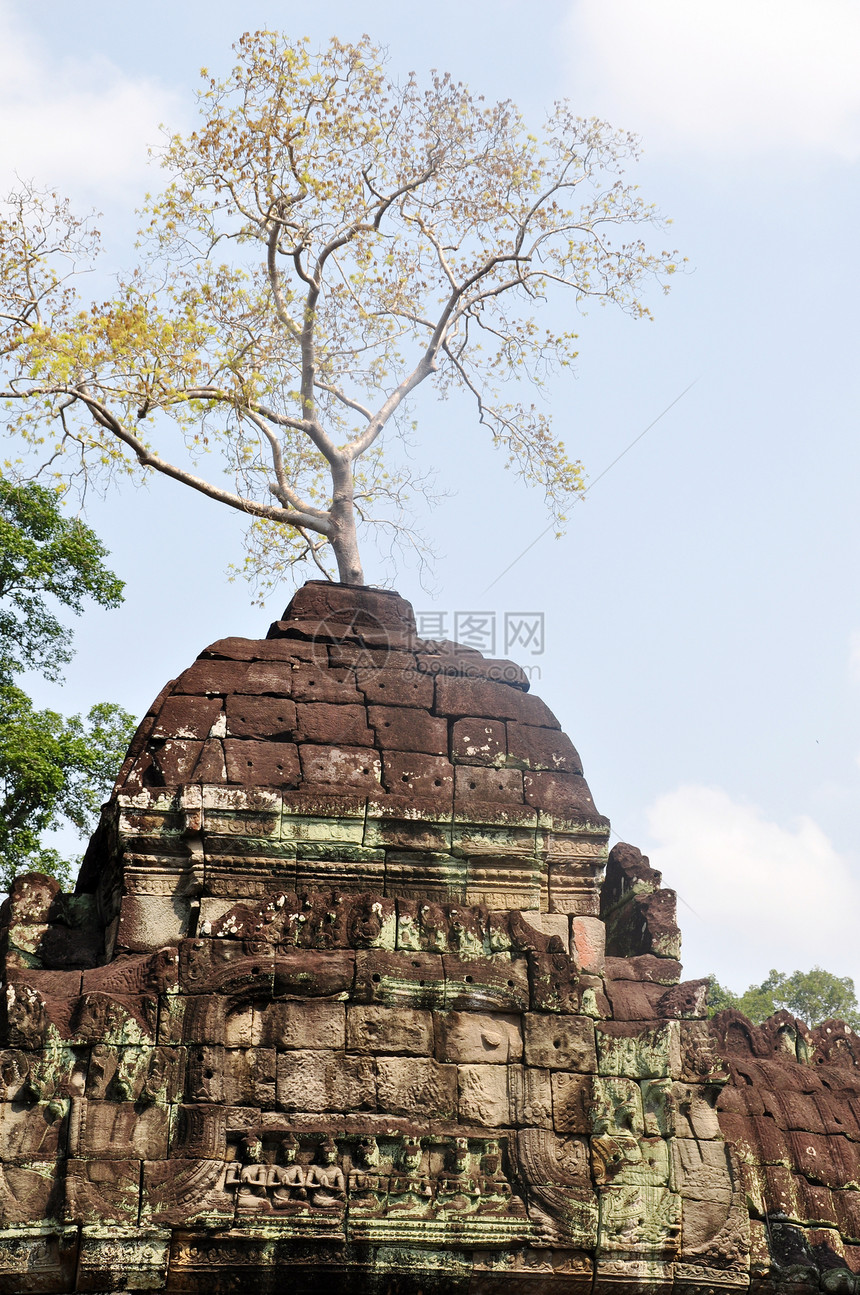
<point>344,1000</point>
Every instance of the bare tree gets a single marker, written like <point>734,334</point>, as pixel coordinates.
<point>327,242</point>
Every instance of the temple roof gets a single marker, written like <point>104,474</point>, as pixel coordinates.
<point>342,696</point>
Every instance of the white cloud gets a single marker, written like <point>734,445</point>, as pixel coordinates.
<point>764,895</point>
<point>82,126</point>
<point>743,77</point>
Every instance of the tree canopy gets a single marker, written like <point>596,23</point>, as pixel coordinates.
<point>328,240</point>
<point>813,996</point>
<point>52,769</point>
<point>44,555</point>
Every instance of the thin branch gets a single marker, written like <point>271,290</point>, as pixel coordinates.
<point>105,418</point>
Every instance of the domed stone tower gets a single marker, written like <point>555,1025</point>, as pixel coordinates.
<point>345,999</point>
<point>343,751</point>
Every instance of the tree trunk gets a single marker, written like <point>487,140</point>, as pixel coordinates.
<point>343,537</point>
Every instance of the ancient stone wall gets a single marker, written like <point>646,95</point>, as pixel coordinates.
<point>344,999</point>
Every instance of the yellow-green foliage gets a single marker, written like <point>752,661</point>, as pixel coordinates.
<point>329,239</point>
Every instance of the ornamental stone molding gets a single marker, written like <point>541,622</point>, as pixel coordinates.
<point>352,995</point>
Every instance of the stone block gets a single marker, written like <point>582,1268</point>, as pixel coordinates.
<point>325,1081</point>
<point>314,973</point>
<point>31,1132</point>
<point>407,833</point>
<point>347,868</point>
<point>461,698</point>
<point>428,778</point>
<point>103,1190</point>
<point>393,687</point>
<point>37,1260</point>
<point>355,768</point>
<point>32,1194</point>
<point>495,983</point>
<point>478,1038</point>
<point>176,760</point>
<point>269,718</point>
<point>415,980</point>
<point>149,922</point>
<point>362,656</point>
<point>474,783</point>
<point>561,793</point>
<point>634,1000</point>
<point>302,1023</point>
<point>250,1077</point>
<point>403,728</point>
<point>530,747</point>
<point>644,924</point>
<point>275,677</point>
<point>530,1091</point>
<point>122,1258</point>
<point>186,717</point>
<point>478,741</point>
<point>329,724</point>
<point>320,682</point>
<point>373,1028</point>
<point>637,1052</point>
<point>209,677</point>
<point>547,924</point>
<point>560,1042</point>
<point>588,944</point>
<point>572,1097</point>
<point>418,1087</point>
<point>429,877</point>
<point>212,765</point>
<point>262,764</point>
<point>209,966</point>
<point>502,882</point>
<point>483,1096</point>
<point>662,971</point>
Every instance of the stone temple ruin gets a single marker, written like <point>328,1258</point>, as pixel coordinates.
<point>351,996</point>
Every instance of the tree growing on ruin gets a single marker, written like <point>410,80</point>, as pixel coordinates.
<point>328,241</point>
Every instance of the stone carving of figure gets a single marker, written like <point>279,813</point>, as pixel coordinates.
<point>409,1188</point>
<point>367,1187</point>
<point>325,1181</point>
<point>468,926</point>
<point>492,1183</point>
<point>252,1197</point>
<point>457,1185</point>
<point>26,1017</point>
<point>155,1077</point>
<point>287,1179</point>
<point>14,1070</point>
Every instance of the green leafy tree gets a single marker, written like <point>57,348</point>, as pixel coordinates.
<point>329,241</point>
<point>812,996</point>
<point>52,769</point>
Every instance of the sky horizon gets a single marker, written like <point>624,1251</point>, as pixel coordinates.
<point>702,627</point>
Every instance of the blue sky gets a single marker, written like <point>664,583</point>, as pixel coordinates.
<point>702,618</point>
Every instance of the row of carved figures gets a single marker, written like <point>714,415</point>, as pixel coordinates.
<point>371,1181</point>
